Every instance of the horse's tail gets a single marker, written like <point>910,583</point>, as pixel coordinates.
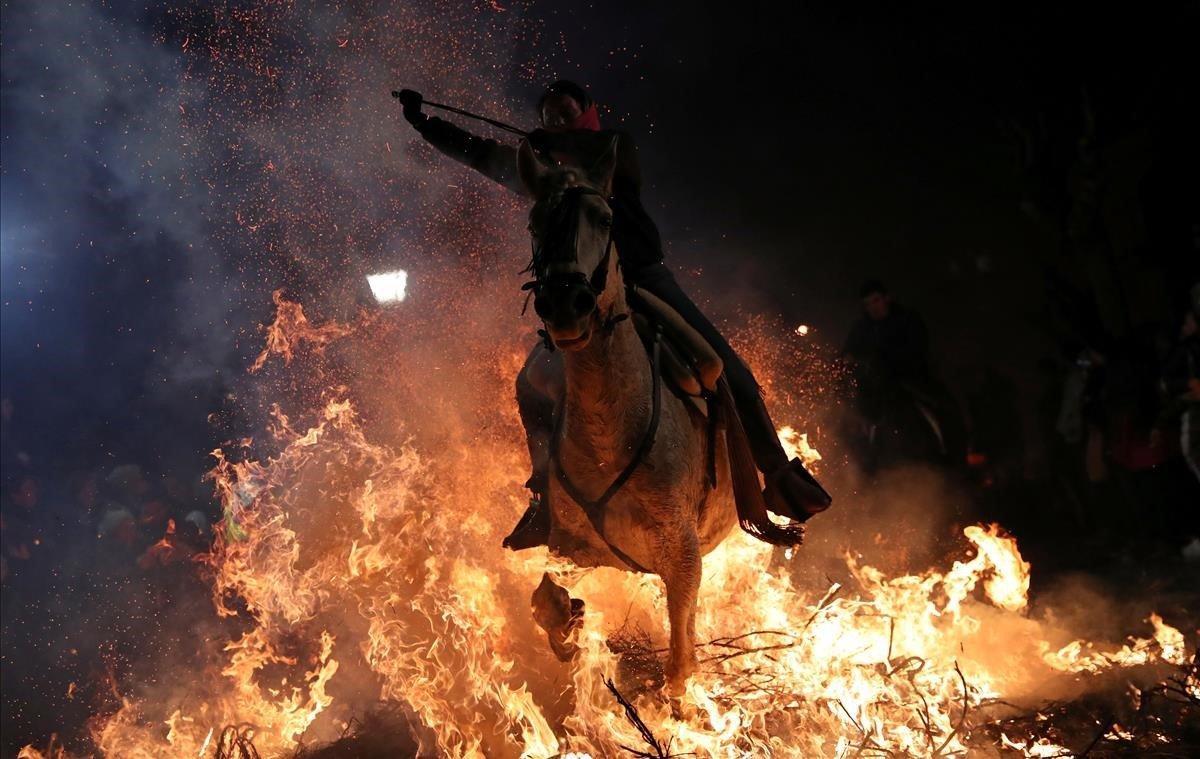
<point>747,491</point>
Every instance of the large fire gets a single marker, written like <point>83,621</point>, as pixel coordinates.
<point>361,571</point>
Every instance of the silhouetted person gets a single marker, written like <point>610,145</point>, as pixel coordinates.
<point>905,412</point>
<point>889,345</point>
<point>1181,385</point>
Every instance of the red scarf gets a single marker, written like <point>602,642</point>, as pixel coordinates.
<point>589,119</point>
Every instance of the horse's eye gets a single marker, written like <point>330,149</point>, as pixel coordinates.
<point>606,221</point>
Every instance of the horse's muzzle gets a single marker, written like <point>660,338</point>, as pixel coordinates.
<point>566,305</point>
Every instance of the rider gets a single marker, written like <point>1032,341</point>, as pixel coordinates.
<point>570,128</point>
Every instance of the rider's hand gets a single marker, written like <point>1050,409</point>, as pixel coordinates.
<point>411,100</point>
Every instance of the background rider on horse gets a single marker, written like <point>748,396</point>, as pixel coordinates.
<point>571,136</point>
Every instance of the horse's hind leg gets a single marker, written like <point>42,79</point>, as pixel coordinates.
<point>682,579</point>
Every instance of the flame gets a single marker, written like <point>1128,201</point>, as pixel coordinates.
<point>796,446</point>
<point>339,553</point>
<point>290,328</point>
<point>51,752</point>
<point>1040,747</point>
<point>1167,644</point>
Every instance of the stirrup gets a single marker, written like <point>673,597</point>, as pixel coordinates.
<point>533,529</point>
<point>794,493</point>
<point>538,484</point>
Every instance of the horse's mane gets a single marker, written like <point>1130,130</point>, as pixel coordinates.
<point>556,215</point>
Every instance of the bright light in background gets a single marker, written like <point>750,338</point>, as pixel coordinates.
<point>802,330</point>
<point>388,287</point>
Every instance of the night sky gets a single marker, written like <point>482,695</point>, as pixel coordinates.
<point>798,151</point>
<point>789,152</point>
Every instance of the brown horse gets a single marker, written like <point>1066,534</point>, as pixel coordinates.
<point>630,486</point>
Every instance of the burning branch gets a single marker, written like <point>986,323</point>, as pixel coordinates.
<point>740,651</point>
<point>828,598</point>
<point>236,742</point>
<point>1163,723</point>
<point>658,751</point>
<point>962,717</point>
<point>868,743</point>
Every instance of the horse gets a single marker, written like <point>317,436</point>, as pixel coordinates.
<point>916,425</point>
<point>632,483</point>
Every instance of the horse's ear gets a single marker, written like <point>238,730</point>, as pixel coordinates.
<point>529,168</point>
<point>601,172</point>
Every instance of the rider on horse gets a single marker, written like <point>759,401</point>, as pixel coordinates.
<point>570,134</point>
<point>906,412</point>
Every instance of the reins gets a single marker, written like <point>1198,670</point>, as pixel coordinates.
<point>468,114</point>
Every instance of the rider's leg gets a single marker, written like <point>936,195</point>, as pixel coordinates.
<point>537,416</point>
<point>787,481</point>
<point>534,383</point>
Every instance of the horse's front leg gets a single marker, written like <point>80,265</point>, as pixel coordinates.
<point>681,575</point>
<point>559,615</point>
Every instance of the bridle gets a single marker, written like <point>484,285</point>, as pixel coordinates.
<point>562,234</point>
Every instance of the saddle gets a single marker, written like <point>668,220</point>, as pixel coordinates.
<point>691,367</point>
<point>693,370</point>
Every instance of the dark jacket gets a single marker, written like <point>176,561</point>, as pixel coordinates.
<point>896,347</point>
<point>634,233</point>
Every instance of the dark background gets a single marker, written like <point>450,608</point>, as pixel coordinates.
<point>789,151</point>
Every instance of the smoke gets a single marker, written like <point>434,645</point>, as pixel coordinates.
<point>166,168</point>
<point>250,148</point>
<point>93,105</point>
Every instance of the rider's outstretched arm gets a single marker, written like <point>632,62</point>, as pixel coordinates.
<point>494,160</point>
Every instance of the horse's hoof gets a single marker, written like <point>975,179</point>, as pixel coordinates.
<point>559,615</point>
<point>677,679</point>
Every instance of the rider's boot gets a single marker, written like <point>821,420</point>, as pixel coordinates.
<point>533,529</point>
<point>791,491</point>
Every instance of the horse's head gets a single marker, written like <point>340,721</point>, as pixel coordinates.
<point>573,261</point>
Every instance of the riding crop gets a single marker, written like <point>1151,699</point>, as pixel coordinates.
<point>468,114</point>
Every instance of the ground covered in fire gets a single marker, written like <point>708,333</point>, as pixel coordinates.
<point>363,605</point>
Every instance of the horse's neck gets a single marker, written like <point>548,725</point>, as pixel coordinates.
<point>608,393</point>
